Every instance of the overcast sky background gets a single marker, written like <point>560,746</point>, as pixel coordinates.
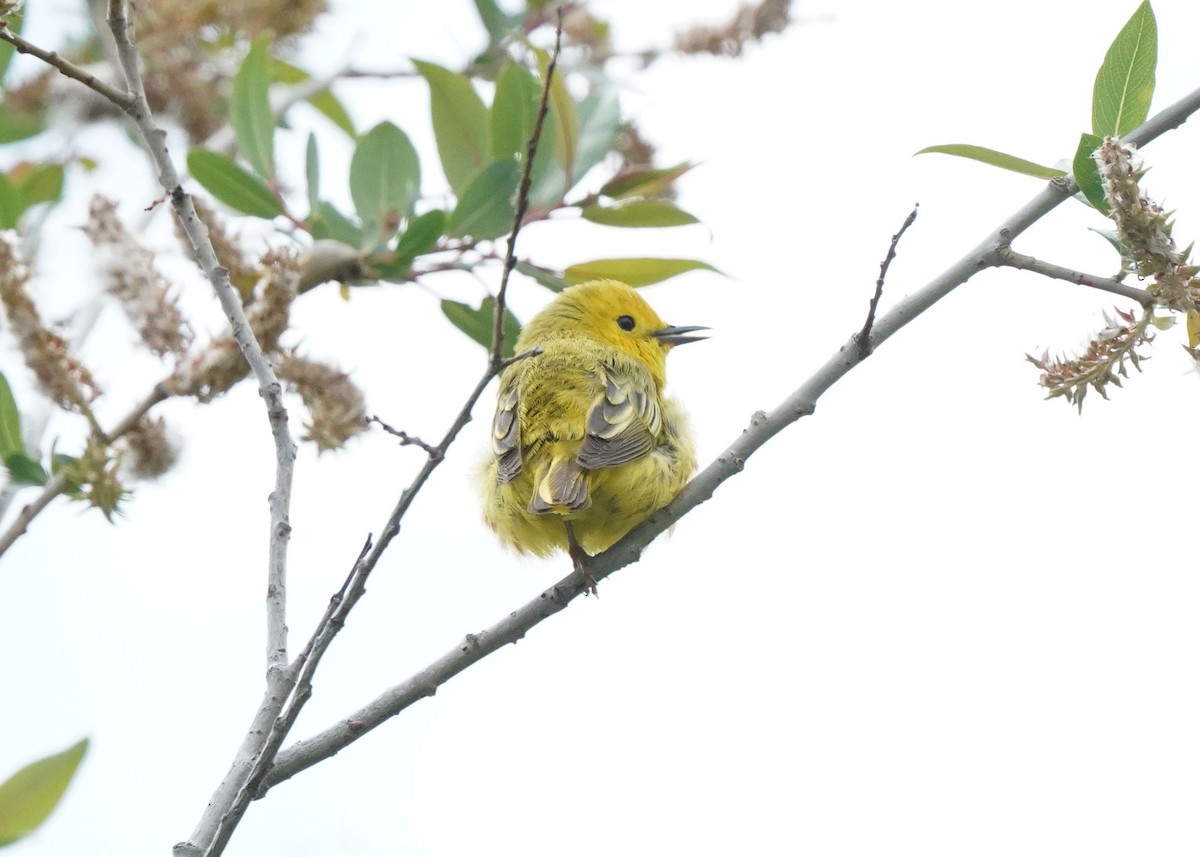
<point>942,616</point>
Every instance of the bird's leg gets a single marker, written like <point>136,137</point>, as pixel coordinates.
<point>580,557</point>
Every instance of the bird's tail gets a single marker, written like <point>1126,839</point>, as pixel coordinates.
<point>562,488</point>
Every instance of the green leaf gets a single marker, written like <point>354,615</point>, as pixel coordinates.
<point>250,108</point>
<point>495,21</point>
<point>422,234</point>
<point>643,181</point>
<point>325,221</point>
<point>1125,81</point>
<point>10,421</point>
<point>29,796</point>
<point>477,323</point>
<point>232,184</point>
<point>1087,173</point>
<point>599,126</point>
<point>566,126</point>
<point>514,111</point>
<point>38,182</point>
<point>639,213</point>
<point>312,172</point>
<point>323,100</point>
<point>385,178</point>
<point>11,204</point>
<point>19,124</point>
<point>635,272</point>
<point>996,159</point>
<point>15,23</point>
<point>460,124</point>
<point>543,276</point>
<point>486,208</point>
<point>23,470</point>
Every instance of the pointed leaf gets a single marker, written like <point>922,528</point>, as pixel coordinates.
<point>29,796</point>
<point>15,23</point>
<point>543,276</point>
<point>514,111</point>
<point>635,272</point>
<point>486,209</point>
<point>1125,81</point>
<point>19,124</point>
<point>996,159</point>
<point>38,182</point>
<point>460,124</point>
<point>232,185</point>
<point>1087,173</point>
<point>639,213</point>
<point>385,178</point>
<point>599,126</point>
<point>477,323</point>
<point>1193,328</point>
<point>23,470</point>
<point>323,100</point>
<point>495,21</point>
<point>10,421</point>
<point>250,109</point>
<point>643,181</point>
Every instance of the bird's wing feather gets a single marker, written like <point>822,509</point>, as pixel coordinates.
<point>506,432</point>
<point>624,423</point>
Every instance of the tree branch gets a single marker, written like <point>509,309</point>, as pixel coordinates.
<point>1011,259</point>
<point>763,426</point>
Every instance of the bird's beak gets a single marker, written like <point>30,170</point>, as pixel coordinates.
<point>679,335</point>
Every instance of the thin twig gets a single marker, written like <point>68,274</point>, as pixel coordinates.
<point>510,256</point>
<point>120,98</point>
<point>763,426</point>
<point>405,438</point>
<point>864,336</point>
<point>1012,259</point>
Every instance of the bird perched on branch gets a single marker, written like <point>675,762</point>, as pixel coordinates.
<point>584,443</point>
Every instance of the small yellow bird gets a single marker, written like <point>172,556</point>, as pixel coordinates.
<point>584,443</point>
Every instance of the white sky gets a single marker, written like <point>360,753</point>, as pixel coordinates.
<point>943,616</point>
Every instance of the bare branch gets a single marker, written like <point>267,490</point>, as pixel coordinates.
<point>121,99</point>
<point>864,336</point>
<point>1012,259</point>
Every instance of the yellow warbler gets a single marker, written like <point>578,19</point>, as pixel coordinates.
<point>584,443</point>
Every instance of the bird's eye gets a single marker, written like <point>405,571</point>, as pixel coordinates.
<point>626,322</point>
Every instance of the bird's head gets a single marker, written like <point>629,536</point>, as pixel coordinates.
<point>615,314</point>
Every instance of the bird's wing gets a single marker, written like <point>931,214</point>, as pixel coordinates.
<point>625,422</point>
<point>506,432</point>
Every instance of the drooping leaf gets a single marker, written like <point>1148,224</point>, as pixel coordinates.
<point>10,421</point>
<point>639,213</point>
<point>477,323</point>
<point>1125,82</point>
<point>233,185</point>
<point>514,111</point>
<point>994,158</point>
<point>566,128</point>
<point>250,108</point>
<point>385,178</point>
<point>23,470</point>
<point>1087,173</point>
<point>1193,328</point>
<point>634,271</point>
<point>486,208</point>
<point>643,181</point>
<point>325,221</point>
<point>422,234</point>
<point>460,124</point>
<point>542,276</point>
<point>29,796</point>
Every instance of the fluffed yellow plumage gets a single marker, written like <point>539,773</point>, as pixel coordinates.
<point>583,435</point>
